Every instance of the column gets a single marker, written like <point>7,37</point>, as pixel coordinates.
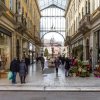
<point>21,48</point>
<point>13,45</point>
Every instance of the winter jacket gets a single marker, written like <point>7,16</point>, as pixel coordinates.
<point>67,63</point>
<point>22,69</point>
<point>14,66</point>
<point>57,63</point>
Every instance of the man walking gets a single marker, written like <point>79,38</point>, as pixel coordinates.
<point>14,68</point>
<point>42,62</point>
<point>57,63</point>
<point>67,66</point>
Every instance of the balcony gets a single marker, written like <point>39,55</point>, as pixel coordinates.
<point>4,11</point>
<point>95,15</point>
<point>84,24</point>
<point>21,23</point>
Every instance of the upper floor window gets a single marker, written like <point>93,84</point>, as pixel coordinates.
<point>11,4</point>
<point>26,1</point>
<point>89,6</point>
<point>3,1</point>
<point>86,7</point>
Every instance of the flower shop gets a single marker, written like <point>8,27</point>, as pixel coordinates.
<point>81,69</point>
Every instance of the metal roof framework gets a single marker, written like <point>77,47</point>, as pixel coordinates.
<point>43,4</point>
<point>52,16</point>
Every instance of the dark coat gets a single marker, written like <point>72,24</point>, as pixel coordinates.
<point>14,66</point>
<point>42,60</point>
<point>22,68</point>
<point>57,63</point>
<point>67,63</point>
<point>27,61</point>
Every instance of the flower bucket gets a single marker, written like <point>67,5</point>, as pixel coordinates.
<point>74,74</point>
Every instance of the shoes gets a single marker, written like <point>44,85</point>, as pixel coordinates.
<point>14,83</point>
<point>23,82</point>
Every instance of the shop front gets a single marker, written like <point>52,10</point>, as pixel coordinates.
<point>31,53</point>
<point>5,49</point>
<point>97,46</point>
<point>25,48</point>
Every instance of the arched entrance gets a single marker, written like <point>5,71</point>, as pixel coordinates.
<point>51,32</point>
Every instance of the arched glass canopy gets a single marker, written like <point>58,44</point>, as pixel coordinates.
<point>52,16</point>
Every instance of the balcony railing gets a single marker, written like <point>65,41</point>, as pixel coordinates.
<point>21,22</point>
<point>84,24</point>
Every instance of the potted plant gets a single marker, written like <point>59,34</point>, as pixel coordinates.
<point>74,71</point>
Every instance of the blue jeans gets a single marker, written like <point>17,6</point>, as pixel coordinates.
<point>14,77</point>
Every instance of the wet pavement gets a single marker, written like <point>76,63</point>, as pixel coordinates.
<point>49,80</point>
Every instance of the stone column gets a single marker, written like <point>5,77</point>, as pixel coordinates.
<point>21,48</point>
<point>13,45</point>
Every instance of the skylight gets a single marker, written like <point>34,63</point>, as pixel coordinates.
<point>47,3</point>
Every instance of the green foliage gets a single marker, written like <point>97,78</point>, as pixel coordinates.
<point>74,70</point>
<point>80,63</point>
<point>46,53</point>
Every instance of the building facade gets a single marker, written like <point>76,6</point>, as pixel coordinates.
<point>82,29</point>
<point>19,30</point>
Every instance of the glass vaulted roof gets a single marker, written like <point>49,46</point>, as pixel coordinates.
<point>48,3</point>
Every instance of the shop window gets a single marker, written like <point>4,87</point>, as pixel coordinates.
<point>98,42</point>
<point>4,51</point>
<point>11,4</point>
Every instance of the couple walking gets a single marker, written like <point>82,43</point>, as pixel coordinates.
<point>20,67</point>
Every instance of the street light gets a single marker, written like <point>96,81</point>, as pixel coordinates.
<point>51,43</point>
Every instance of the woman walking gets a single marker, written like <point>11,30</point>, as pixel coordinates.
<point>22,71</point>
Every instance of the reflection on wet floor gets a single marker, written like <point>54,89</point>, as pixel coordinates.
<point>48,77</point>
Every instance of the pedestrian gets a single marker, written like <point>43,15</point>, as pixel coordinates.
<point>42,62</point>
<point>67,66</point>
<point>14,68</point>
<point>75,61</point>
<point>27,62</point>
<point>63,60</point>
<point>37,59</point>
<point>57,63</point>
<point>22,71</point>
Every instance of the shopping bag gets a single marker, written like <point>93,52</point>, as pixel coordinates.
<point>10,75</point>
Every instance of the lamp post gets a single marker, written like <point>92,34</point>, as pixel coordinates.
<point>51,43</point>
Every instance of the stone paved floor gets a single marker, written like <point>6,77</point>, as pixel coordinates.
<point>48,78</point>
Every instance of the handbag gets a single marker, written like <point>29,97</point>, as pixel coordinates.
<point>10,75</point>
